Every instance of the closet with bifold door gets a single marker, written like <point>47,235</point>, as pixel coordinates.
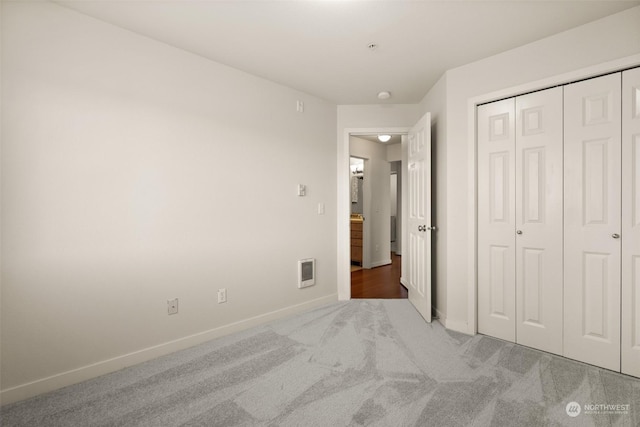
<point>630,328</point>
<point>559,220</point>
<point>593,182</point>
<point>520,219</point>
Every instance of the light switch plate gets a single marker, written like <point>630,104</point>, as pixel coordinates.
<point>172,306</point>
<point>222,295</point>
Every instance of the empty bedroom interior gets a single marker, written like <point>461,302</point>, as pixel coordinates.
<point>136,170</point>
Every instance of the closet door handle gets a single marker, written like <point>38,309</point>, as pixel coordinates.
<point>519,232</point>
<point>615,235</point>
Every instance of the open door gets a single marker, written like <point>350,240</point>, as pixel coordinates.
<point>419,226</point>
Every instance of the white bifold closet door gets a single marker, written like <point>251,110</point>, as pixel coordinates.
<point>496,220</point>
<point>539,220</point>
<point>631,222</point>
<point>592,221</point>
<point>520,219</point>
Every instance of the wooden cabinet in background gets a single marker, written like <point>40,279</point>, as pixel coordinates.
<point>356,242</point>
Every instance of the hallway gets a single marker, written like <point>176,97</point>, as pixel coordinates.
<point>379,282</point>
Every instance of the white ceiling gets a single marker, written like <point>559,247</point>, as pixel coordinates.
<point>321,47</point>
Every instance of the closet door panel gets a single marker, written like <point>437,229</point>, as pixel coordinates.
<point>496,220</point>
<point>631,222</point>
<point>592,221</point>
<point>539,220</point>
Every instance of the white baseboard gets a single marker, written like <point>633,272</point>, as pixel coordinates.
<point>34,388</point>
<point>453,325</point>
<point>442,318</point>
<point>380,263</point>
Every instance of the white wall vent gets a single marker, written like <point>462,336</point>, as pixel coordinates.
<point>306,272</point>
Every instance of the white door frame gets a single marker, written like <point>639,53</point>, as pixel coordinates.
<point>344,205</point>
<point>472,159</point>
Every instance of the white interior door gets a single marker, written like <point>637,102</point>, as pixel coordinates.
<point>631,222</point>
<point>539,220</point>
<point>419,216</point>
<point>592,176</point>
<point>496,220</point>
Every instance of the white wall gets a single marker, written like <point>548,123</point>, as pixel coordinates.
<point>377,116</point>
<point>394,154</point>
<point>393,191</point>
<point>376,230</point>
<point>133,173</point>
<point>435,102</point>
<point>608,39</point>
<point>396,202</point>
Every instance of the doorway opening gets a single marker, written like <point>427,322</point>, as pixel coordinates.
<point>375,221</point>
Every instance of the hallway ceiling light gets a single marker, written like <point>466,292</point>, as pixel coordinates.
<point>384,138</point>
<point>384,95</point>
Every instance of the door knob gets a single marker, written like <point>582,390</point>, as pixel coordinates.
<point>420,228</point>
<point>615,235</point>
<point>519,232</point>
<point>432,228</point>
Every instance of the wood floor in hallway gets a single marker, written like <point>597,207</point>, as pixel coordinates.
<point>379,282</point>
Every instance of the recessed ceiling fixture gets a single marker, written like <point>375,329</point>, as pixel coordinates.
<point>384,95</point>
<point>372,46</point>
<point>384,138</point>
